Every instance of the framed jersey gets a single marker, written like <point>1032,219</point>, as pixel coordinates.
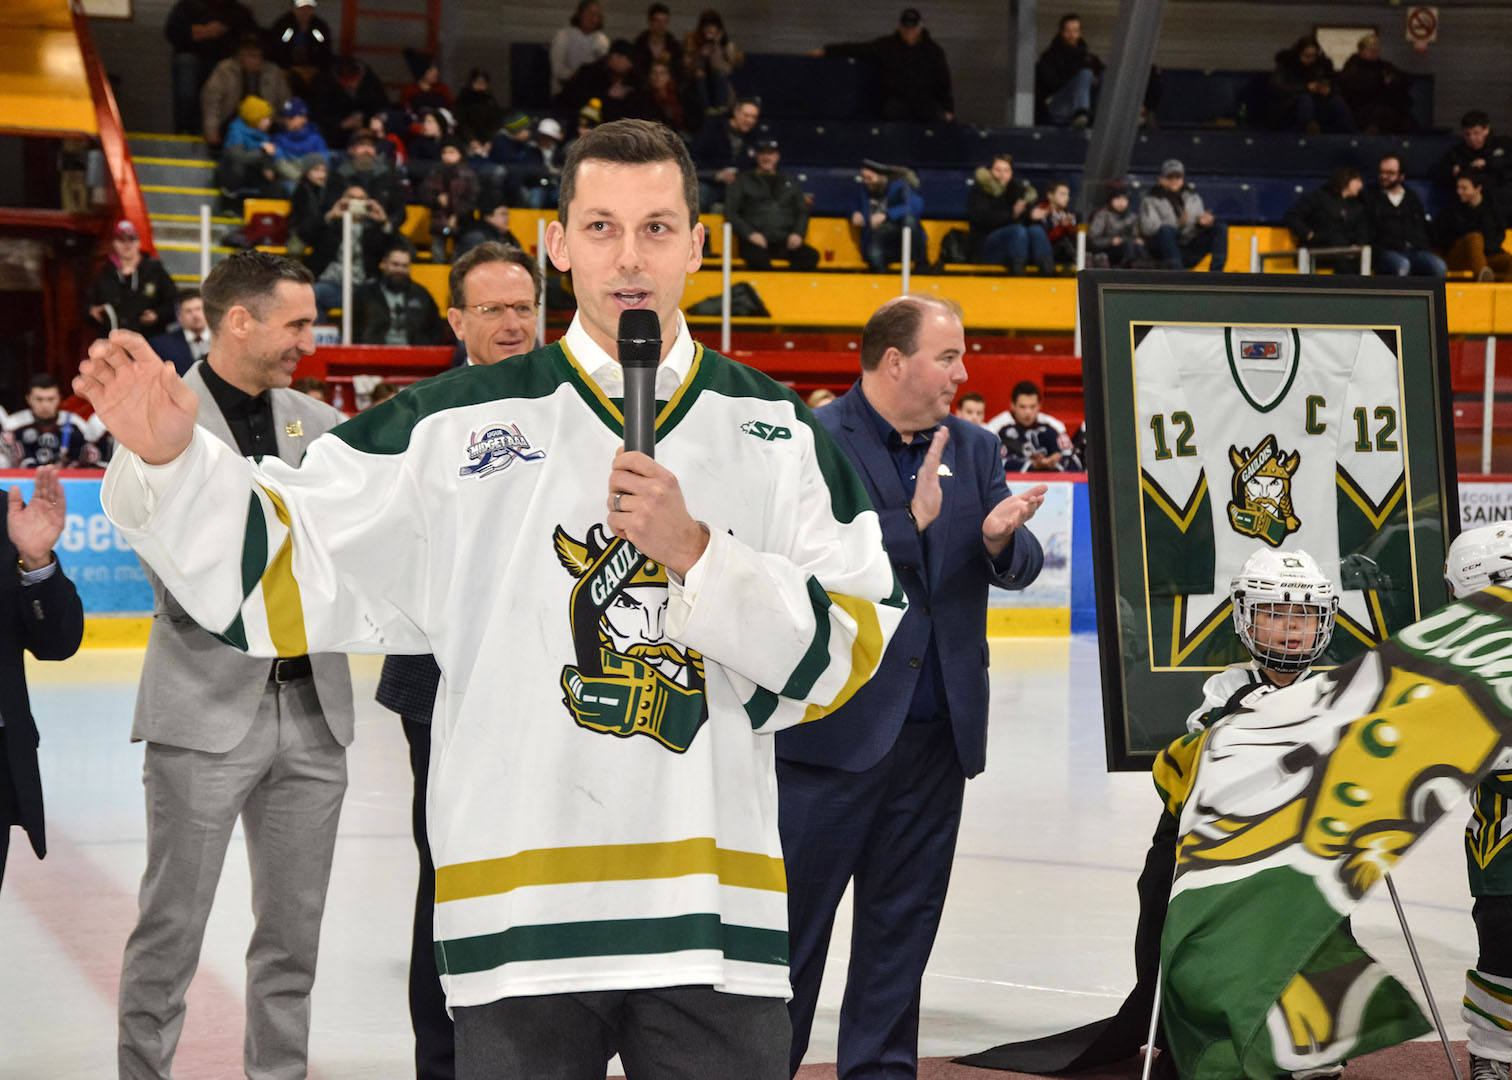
<point>1230,413</point>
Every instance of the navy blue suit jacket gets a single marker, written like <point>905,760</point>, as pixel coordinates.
<point>173,347</point>
<point>948,595</point>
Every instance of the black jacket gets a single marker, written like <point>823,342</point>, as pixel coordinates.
<point>1496,152</point>
<point>288,45</point>
<point>149,288</point>
<point>46,619</point>
<point>1322,219</point>
<point>1460,219</point>
<point>1058,64</point>
<point>370,322</point>
<point>479,114</point>
<point>772,205</point>
<point>381,182</point>
<point>330,103</point>
<point>187,14</point>
<point>1403,227</point>
<point>989,207</point>
<point>914,73</point>
<point>1290,78</point>
<point>719,146</point>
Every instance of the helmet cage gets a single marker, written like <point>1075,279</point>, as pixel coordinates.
<point>1250,601</point>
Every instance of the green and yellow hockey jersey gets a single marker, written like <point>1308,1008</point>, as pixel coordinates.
<point>1269,435</point>
<point>603,805</point>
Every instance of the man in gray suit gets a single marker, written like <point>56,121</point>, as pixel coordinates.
<point>231,736</point>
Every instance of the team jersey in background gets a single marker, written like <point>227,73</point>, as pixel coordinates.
<point>1275,436</point>
<point>67,440</point>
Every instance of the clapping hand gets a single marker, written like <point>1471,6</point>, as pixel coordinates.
<point>1008,515</point>
<point>34,527</point>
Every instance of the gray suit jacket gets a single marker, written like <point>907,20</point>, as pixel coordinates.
<point>196,691</point>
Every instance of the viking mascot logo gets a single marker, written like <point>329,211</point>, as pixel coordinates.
<point>629,678</point>
<point>1262,503</point>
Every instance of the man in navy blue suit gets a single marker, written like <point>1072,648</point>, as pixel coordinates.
<point>873,793</point>
<point>187,341</point>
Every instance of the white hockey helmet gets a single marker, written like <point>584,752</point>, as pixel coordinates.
<point>1290,581</point>
<point>1479,557</point>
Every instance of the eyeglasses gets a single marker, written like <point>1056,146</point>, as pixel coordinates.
<point>524,310</point>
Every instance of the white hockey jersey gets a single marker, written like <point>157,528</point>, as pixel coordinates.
<point>1285,433</point>
<point>603,807</point>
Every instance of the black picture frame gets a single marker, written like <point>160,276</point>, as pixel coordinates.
<point>1145,702</point>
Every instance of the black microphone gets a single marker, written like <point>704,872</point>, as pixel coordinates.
<point>640,354</point>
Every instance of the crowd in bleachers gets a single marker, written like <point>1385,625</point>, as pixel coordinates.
<point>290,118</point>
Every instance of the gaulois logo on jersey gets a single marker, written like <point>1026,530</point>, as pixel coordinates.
<point>1262,502</point>
<point>629,679</point>
<point>1260,350</point>
<point>496,448</point>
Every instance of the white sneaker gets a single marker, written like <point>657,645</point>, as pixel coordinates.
<point>1487,1069</point>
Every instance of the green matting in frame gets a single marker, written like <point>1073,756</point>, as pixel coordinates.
<point>1231,412</point>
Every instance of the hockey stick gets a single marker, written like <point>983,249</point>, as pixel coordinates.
<point>1149,1060</point>
<point>1438,1021</point>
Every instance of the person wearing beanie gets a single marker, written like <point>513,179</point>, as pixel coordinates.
<point>1113,233</point>
<point>241,75</point>
<point>299,139</point>
<point>451,193</point>
<point>247,155</point>
<point>427,91</point>
<point>516,151</point>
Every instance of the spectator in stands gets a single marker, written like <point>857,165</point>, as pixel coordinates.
<point>491,228</point>
<point>820,397</point>
<point>548,140</point>
<point>235,78</point>
<point>393,309</point>
<point>1053,213</point>
<point>1398,226</point>
<point>479,114</point>
<point>307,206</point>
<point>297,142</point>
<point>1471,231</point>
<point>133,291</point>
<point>1178,230</point>
<point>657,43</point>
<point>425,145</point>
<point>203,33</point>
<point>768,214</point>
<point>722,149</point>
<point>381,393</point>
<point>710,60</point>
<point>310,386</point>
<point>374,234</point>
<point>1029,443</point>
<point>972,408</point>
<point>390,145</point>
<point>915,73</point>
<point>344,97</point>
<point>1376,91</point>
<point>1113,233</point>
<point>888,203</point>
<point>581,41</point>
<point>300,38</point>
<point>1302,91</point>
<point>364,168</point>
<point>1064,77</point>
<point>427,91</point>
<point>1331,216</point>
<point>667,96</point>
<point>1478,149</point>
<point>615,82</point>
<point>515,150</point>
<point>451,193</point>
<point>246,158</point>
<point>996,207</point>
<point>186,341</point>
<point>44,434</point>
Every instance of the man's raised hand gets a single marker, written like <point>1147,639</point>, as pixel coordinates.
<point>1008,515</point>
<point>140,399</point>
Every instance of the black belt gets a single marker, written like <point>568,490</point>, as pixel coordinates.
<point>290,669</point>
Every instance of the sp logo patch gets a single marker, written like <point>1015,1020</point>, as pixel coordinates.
<point>496,448</point>
<point>1260,350</point>
<point>765,432</point>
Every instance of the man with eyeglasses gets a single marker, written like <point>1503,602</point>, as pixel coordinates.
<point>494,291</point>
<point>1398,225</point>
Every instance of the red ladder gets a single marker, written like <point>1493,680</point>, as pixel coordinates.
<point>400,19</point>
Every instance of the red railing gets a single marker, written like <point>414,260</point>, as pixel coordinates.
<point>131,204</point>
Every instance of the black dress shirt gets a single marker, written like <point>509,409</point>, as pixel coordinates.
<point>250,416</point>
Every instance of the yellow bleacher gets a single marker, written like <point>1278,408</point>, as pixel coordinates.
<point>992,301</point>
<point>43,84</point>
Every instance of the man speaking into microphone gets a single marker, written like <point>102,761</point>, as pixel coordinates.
<point>602,806</point>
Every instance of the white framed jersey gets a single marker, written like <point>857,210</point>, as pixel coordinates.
<point>1281,436</point>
